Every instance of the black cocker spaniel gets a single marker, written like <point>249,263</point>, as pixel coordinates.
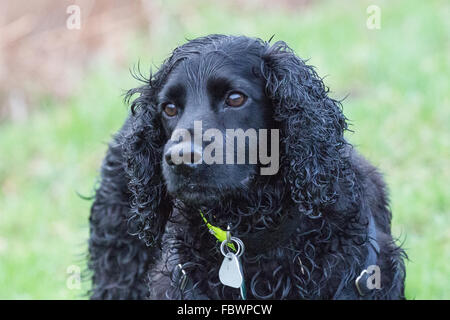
<point>309,216</point>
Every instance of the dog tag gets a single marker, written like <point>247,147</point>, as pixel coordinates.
<point>230,272</point>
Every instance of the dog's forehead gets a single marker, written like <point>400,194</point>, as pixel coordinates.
<point>198,69</point>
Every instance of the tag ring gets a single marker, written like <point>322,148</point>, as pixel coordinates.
<point>240,246</point>
<point>228,233</point>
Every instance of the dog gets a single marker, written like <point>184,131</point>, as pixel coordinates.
<point>306,218</point>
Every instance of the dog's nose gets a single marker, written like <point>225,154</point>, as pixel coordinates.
<point>184,155</point>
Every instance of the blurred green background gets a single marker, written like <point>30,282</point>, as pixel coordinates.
<point>61,100</point>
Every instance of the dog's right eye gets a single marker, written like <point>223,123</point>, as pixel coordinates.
<point>170,109</point>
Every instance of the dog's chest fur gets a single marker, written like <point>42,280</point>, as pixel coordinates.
<point>160,275</point>
<point>181,239</point>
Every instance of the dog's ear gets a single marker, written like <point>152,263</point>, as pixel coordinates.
<point>143,145</point>
<point>311,128</point>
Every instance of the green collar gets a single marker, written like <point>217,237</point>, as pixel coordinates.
<point>221,235</point>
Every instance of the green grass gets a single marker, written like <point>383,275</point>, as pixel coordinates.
<point>398,104</point>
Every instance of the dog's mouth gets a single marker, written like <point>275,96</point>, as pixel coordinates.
<point>207,194</point>
<point>197,188</point>
<point>193,193</point>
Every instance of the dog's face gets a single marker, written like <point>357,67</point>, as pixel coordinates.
<point>205,100</point>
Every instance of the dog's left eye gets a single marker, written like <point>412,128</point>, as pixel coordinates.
<point>235,99</point>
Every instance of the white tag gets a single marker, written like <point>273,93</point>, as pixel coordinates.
<point>230,272</point>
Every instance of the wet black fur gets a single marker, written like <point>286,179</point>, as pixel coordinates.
<point>139,232</point>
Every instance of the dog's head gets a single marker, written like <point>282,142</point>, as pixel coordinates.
<point>222,113</point>
<point>213,109</point>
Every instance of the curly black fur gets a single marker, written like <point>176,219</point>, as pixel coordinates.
<point>139,233</point>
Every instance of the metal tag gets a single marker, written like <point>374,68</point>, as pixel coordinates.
<point>230,272</point>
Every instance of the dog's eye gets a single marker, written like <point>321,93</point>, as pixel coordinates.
<point>170,109</point>
<point>235,99</point>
